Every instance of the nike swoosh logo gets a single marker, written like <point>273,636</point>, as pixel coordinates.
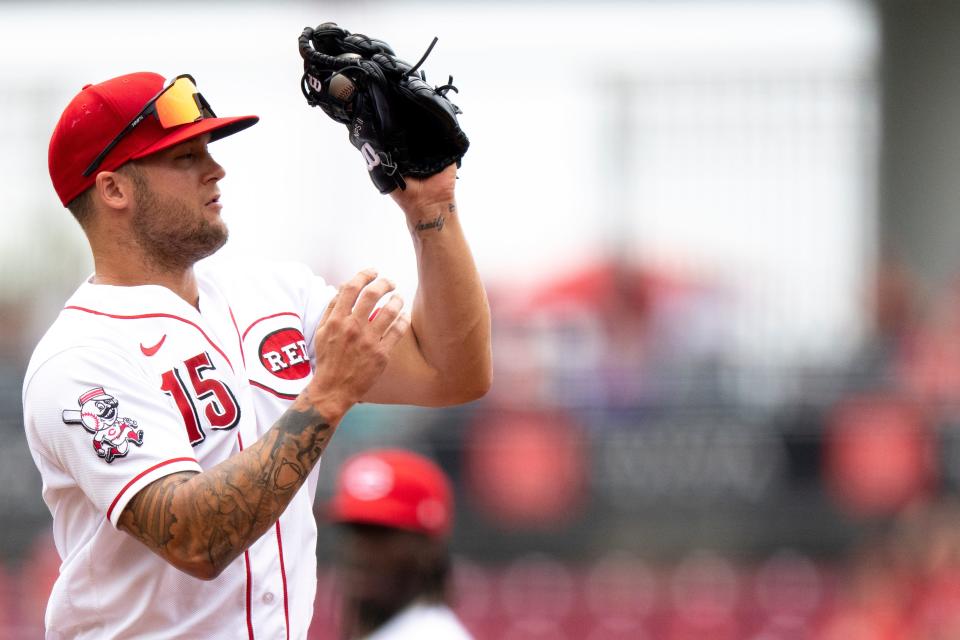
<point>149,351</point>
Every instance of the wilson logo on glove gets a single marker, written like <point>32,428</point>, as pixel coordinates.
<point>370,156</point>
<point>385,104</point>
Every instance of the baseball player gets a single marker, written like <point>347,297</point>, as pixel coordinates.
<point>177,411</point>
<point>395,511</point>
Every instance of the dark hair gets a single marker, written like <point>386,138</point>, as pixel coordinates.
<point>82,206</point>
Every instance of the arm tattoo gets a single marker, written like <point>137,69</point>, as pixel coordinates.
<point>209,518</point>
<point>436,223</point>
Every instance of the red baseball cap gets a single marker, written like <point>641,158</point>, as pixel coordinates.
<point>394,488</point>
<point>99,112</point>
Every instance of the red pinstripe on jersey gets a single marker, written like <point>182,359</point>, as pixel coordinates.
<point>283,570</point>
<point>239,339</point>
<point>283,576</point>
<point>246,560</point>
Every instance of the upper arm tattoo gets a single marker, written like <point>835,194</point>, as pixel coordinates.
<point>149,515</point>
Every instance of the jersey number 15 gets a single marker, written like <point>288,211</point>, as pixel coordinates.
<point>219,406</point>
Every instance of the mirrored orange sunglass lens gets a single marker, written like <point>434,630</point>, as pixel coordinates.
<point>177,105</point>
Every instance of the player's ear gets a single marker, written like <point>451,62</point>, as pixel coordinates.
<point>114,189</point>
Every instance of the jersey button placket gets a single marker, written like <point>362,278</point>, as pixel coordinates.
<point>267,598</point>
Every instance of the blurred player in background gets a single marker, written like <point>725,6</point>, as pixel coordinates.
<point>395,511</point>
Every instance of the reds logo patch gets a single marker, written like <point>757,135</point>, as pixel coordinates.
<point>284,354</point>
<point>98,415</point>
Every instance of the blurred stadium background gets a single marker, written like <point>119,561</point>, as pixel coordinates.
<point>719,239</point>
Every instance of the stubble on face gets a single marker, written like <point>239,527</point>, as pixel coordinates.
<point>171,234</point>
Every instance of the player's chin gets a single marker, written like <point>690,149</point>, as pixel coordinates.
<point>206,239</point>
<point>215,226</point>
<point>220,238</point>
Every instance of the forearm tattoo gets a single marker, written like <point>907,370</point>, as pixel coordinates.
<point>212,517</point>
<point>437,223</point>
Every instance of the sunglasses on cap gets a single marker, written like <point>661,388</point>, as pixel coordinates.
<point>178,103</point>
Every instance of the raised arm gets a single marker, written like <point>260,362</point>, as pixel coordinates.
<point>445,357</point>
<point>200,522</point>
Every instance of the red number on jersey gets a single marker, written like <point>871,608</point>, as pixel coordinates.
<point>221,410</point>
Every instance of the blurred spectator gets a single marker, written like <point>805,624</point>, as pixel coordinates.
<point>395,509</point>
<point>879,454</point>
<point>602,335</point>
<point>526,470</point>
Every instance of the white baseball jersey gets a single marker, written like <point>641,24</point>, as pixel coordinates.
<point>133,383</point>
<point>422,621</point>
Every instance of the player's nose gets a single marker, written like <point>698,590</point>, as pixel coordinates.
<point>217,172</point>
<point>213,169</point>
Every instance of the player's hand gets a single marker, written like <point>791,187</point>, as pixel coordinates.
<point>424,195</point>
<point>352,347</point>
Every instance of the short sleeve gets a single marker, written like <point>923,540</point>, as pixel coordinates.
<point>106,424</point>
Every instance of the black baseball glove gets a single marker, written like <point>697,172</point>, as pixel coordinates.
<point>401,125</point>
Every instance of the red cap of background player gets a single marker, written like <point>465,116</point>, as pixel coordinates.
<point>394,488</point>
<point>101,111</point>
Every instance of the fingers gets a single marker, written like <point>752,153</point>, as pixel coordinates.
<point>389,323</point>
<point>370,296</point>
<point>346,297</point>
<point>352,347</point>
<point>394,332</point>
<point>386,315</point>
<point>359,296</point>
